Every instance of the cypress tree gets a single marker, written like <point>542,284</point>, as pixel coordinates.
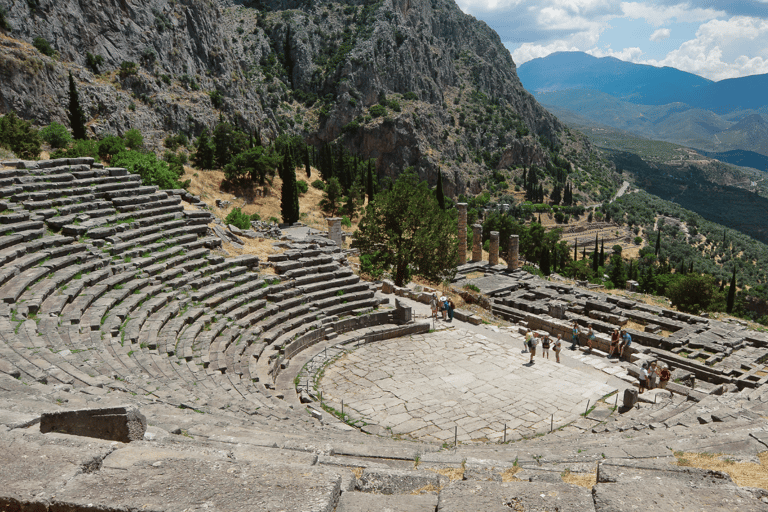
<point>76,116</point>
<point>289,199</point>
<point>658,243</point>
<point>575,249</point>
<point>731,293</point>
<point>307,168</point>
<point>205,151</point>
<point>602,252</point>
<point>690,269</point>
<point>369,181</point>
<point>596,258</point>
<point>439,190</point>
<point>544,264</point>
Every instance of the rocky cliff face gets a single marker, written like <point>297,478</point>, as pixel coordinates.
<point>410,83</point>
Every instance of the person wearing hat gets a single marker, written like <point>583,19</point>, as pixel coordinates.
<point>443,307</point>
<point>644,378</point>
<point>664,376</point>
<point>448,307</point>
<point>433,304</point>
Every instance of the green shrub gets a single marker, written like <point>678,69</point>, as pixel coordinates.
<point>302,186</point>
<point>274,219</point>
<point>56,135</point>
<point>394,105</point>
<point>255,216</point>
<point>378,110</point>
<point>128,68</point>
<point>173,142</point>
<point>319,184</point>
<point>216,98</point>
<point>93,62</point>
<point>43,46</point>
<point>4,18</point>
<point>638,240</point>
<point>133,139</point>
<point>346,222</point>
<point>80,148</point>
<point>110,146</point>
<point>151,170</point>
<point>350,127</point>
<point>410,96</point>
<point>237,218</point>
<point>19,136</point>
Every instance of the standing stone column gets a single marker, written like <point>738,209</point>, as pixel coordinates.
<point>493,250</point>
<point>514,252</point>
<point>462,233</point>
<point>477,242</point>
<point>334,229</point>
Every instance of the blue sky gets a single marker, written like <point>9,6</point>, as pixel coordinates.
<point>716,39</point>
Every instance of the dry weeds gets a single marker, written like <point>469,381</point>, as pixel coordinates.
<point>451,473</point>
<point>744,474</point>
<point>581,479</point>
<point>509,474</point>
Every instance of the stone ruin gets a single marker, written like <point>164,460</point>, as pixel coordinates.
<point>141,369</point>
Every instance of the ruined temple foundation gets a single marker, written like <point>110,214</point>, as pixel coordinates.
<point>493,250</point>
<point>514,252</point>
<point>334,230</point>
<point>462,233</point>
<point>477,242</point>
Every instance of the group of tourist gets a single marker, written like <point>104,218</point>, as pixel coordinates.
<point>532,341</point>
<point>620,340</point>
<point>651,373</point>
<point>443,305</point>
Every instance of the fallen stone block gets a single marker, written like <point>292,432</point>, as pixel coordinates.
<point>396,481</point>
<point>124,424</point>
<point>365,502</point>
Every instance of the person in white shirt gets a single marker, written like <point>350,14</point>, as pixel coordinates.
<point>527,341</point>
<point>644,378</point>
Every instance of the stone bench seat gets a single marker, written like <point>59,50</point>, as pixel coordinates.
<point>96,314</point>
<point>247,287</point>
<point>13,239</point>
<point>220,282</point>
<point>150,331</point>
<point>177,267</point>
<point>122,196</point>
<point>139,232</point>
<point>10,229</point>
<point>198,336</point>
<point>84,207</point>
<point>13,217</point>
<point>169,334</point>
<point>359,301</point>
<point>162,245</point>
<point>134,209</point>
<point>150,212</point>
<point>155,262</point>
<point>149,235</point>
<point>38,293</point>
<point>130,202</point>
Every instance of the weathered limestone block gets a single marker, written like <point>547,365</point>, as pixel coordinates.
<point>462,233</point>
<point>334,230</point>
<point>124,424</point>
<point>477,242</point>
<point>630,397</point>
<point>493,249</point>
<point>514,252</point>
<point>402,314</point>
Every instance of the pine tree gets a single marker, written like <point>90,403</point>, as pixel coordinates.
<point>658,243</point>
<point>439,190</point>
<point>731,293</point>
<point>205,152</point>
<point>289,199</point>
<point>76,115</point>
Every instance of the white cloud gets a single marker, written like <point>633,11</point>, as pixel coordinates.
<point>628,54</point>
<point>723,49</point>
<point>660,35</point>
<point>529,51</point>
<point>658,15</point>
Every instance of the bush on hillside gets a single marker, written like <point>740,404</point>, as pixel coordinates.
<point>110,146</point>
<point>302,186</point>
<point>19,136</point>
<point>43,46</point>
<point>133,139</point>
<point>318,184</point>
<point>151,170</point>
<point>79,148</point>
<point>56,135</point>
<point>239,219</point>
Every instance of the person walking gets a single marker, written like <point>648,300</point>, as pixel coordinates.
<point>527,340</point>
<point>575,336</point>
<point>443,309</point>
<point>545,346</point>
<point>532,346</point>
<point>433,304</point>
<point>558,346</point>
<point>590,338</point>
<point>653,375</point>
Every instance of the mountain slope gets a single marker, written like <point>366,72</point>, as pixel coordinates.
<point>635,83</point>
<point>449,90</point>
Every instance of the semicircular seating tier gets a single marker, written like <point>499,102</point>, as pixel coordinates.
<point>103,279</point>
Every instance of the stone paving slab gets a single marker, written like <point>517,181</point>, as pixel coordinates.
<point>457,382</point>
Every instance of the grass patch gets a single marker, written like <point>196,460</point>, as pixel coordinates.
<point>581,479</point>
<point>744,474</point>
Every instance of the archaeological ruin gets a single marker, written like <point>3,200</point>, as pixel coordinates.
<point>141,368</point>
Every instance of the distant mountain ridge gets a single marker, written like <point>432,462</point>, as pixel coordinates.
<point>657,103</point>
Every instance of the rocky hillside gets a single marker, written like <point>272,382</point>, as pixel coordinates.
<point>408,83</point>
